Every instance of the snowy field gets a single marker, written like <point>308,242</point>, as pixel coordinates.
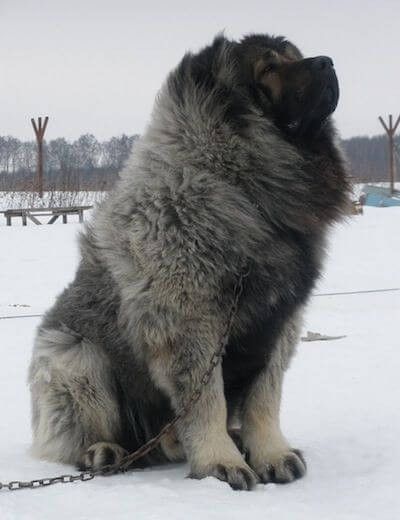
<point>341,398</point>
<point>50,199</point>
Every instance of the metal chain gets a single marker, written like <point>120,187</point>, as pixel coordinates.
<point>125,463</point>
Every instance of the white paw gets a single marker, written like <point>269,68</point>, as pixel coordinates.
<point>239,477</point>
<point>282,468</point>
<point>102,454</point>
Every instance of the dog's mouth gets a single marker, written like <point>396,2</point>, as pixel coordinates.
<point>329,96</point>
<point>314,106</point>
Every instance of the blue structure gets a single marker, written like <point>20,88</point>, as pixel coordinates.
<point>379,196</point>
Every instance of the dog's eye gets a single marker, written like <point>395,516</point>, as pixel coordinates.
<point>271,67</point>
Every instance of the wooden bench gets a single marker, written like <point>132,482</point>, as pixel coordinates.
<point>53,213</point>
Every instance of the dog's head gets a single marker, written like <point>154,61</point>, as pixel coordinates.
<point>298,93</point>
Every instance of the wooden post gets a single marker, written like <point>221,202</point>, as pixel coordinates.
<point>391,130</point>
<point>39,132</point>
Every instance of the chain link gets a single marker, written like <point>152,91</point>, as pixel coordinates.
<point>125,463</point>
<point>43,482</point>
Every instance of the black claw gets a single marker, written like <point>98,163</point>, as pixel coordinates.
<point>222,473</point>
<point>271,475</point>
<point>249,481</point>
<point>236,486</point>
<point>108,456</point>
<point>294,467</point>
<point>301,457</point>
<point>243,481</point>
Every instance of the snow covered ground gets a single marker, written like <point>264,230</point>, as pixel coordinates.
<point>30,199</point>
<point>341,398</point>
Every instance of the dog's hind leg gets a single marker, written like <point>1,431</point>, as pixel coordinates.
<point>268,452</point>
<point>75,413</point>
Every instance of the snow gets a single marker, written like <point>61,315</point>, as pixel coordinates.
<point>340,397</point>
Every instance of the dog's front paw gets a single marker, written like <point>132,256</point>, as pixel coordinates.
<point>282,468</point>
<point>240,477</point>
<point>102,454</point>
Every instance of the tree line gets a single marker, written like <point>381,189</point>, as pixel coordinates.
<point>87,163</point>
<point>369,157</point>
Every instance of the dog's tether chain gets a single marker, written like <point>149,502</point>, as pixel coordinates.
<point>125,463</point>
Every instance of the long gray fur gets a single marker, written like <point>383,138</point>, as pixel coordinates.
<point>205,190</point>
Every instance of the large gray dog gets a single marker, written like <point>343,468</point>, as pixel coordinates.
<point>238,167</point>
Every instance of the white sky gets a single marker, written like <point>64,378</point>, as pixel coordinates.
<point>96,65</point>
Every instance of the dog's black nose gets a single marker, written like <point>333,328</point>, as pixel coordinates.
<point>321,63</point>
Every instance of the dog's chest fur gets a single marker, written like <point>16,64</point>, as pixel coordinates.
<point>270,298</point>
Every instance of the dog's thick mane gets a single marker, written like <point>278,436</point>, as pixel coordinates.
<point>206,122</point>
<point>230,174</point>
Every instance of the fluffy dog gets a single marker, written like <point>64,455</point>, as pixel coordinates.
<point>238,166</point>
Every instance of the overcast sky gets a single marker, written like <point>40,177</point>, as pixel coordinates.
<point>95,65</point>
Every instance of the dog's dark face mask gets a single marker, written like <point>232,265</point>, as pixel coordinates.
<point>298,94</point>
